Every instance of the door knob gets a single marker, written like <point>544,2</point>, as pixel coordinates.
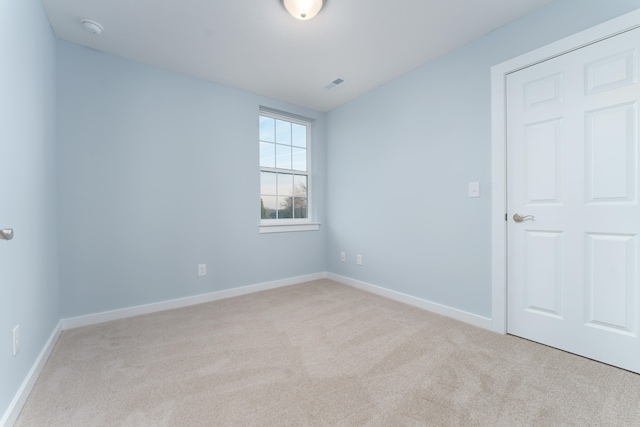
<point>6,234</point>
<point>519,218</point>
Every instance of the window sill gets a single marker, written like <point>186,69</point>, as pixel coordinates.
<point>288,227</point>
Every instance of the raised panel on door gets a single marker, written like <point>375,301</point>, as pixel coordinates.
<point>542,91</point>
<point>611,154</point>
<point>612,72</point>
<point>542,275</point>
<point>543,163</point>
<point>611,286</point>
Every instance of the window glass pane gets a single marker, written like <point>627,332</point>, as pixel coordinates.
<point>268,207</point>
<point>267,129</point>
<point>268,183</point>
<point>267,155</point>
<point>299,159</point>
<point>284,166</point>
<point>283,156</point>
<point>283,132</point>
<point>300,207</point>
<point>299,134</point>
<point>286,207</point>
<point>300,186</point>
<point>285,184</point>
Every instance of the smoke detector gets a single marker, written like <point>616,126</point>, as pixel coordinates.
<point>92,26</point>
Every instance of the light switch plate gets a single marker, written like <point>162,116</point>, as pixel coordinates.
<point>474,189</point>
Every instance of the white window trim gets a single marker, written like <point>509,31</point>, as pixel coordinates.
<point>285,226</point>
<point>291,225</point>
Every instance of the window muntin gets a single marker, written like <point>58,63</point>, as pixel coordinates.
<point>284,168</point>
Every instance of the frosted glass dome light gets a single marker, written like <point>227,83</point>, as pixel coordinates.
<point>303,9</point>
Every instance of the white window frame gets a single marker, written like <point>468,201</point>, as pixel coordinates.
<point>289,224</point>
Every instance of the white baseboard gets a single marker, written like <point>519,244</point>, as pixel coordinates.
<point>11,414</point>
<point>463,316</point>
<point>106,316</point>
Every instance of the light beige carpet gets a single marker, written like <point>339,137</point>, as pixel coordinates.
<point>319,353</point>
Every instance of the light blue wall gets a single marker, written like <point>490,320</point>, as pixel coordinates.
<point>29,294</point>
<point>159,173</point>
<point>400,158</point>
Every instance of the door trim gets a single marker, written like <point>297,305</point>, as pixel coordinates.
<point>499,74</point>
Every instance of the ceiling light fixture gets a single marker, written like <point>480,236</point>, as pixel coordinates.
<point>303,9</point>
<point>92,26</point>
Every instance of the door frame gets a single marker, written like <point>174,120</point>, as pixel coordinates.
<point>621,24</point>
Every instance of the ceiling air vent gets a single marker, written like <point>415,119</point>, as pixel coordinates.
<point>333,84</point>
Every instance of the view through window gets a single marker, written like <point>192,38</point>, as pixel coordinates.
<point>284,167</point>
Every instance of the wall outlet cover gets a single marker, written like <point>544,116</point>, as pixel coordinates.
<point>202,269</point>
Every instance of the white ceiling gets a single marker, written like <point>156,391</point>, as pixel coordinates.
<point>257,46</point>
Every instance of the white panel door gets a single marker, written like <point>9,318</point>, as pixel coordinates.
<point>572,173</point>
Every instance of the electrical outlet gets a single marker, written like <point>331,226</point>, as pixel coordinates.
<point>202,269</point>
<point>343,256</point>
<point>359,260</point>
<point>16,340</point>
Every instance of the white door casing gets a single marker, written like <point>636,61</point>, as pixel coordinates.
<point>599,244</point>
<point>572,165</point>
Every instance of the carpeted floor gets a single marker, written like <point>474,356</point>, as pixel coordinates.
<point>319,353</point>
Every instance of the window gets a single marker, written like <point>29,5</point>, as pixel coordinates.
<point>284,173</point>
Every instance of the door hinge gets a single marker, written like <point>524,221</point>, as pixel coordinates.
<point>505,217</point>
